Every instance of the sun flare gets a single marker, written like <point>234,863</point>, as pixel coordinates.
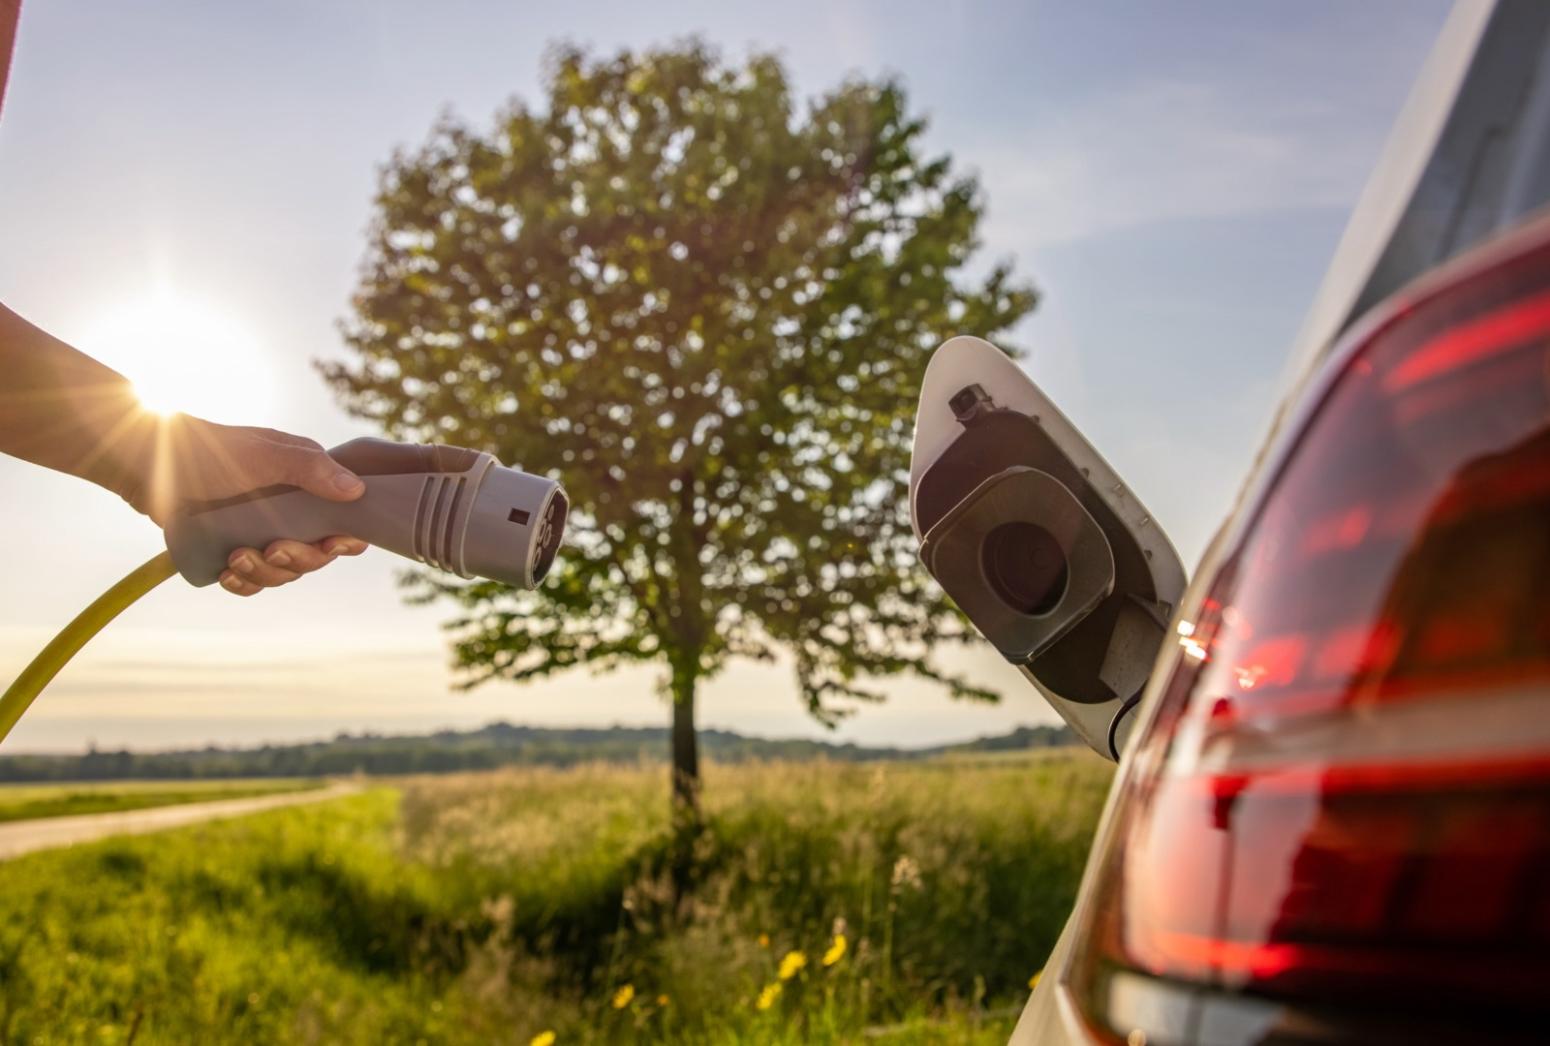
<point>181,355</point>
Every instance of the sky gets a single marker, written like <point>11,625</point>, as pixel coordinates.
<point>185,186</point>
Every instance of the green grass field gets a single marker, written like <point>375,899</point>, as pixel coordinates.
<point>890,902</point>
<point>24,802</point>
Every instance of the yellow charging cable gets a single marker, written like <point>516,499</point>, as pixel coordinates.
<point>106,607</point>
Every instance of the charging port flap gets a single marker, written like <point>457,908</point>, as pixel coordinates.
<point>1037,540</point>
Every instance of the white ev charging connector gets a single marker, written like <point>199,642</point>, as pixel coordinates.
<point>460,510</point>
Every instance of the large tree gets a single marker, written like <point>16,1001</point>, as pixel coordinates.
<point>706,309</point>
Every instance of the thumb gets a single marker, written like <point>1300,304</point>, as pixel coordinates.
<point>314,471</point>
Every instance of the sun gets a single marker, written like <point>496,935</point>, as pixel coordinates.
<point>181,355</point>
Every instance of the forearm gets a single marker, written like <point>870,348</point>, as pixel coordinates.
<point>10,13</point>
<point>62,409</point>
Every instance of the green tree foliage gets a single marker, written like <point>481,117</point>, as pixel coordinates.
<point>706,309</point>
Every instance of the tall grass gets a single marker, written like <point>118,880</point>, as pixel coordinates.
<point>498,907</point>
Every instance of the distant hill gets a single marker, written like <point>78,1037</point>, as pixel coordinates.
<point>499,744</point>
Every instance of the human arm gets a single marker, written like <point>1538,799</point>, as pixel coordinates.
<point>61,409</point>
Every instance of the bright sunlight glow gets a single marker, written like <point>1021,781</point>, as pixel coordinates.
<point>184,356</point>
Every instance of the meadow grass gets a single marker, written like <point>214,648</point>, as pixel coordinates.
<point>892,902</point>
<point>22,802</point>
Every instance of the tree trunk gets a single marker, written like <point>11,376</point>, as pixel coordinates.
<point>686,749</point>
<point>689,641</point>
<point>686,822</point>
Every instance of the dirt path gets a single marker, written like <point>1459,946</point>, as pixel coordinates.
<point>20,837</point>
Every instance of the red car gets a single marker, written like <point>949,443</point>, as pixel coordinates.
<point>1331,818</point>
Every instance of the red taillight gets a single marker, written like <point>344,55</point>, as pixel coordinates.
<point>1338,819</point>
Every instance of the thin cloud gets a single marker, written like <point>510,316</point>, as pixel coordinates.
<point>1166,151</point>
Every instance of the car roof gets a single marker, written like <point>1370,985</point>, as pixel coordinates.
<point>1468,159</point>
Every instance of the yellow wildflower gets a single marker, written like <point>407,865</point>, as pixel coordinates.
<point>1033,982</point>
<point>764,940</point>
<point>768,996</point>
<point>836,950</point>
<point>624,996</point>
<point>663,1000</point>
<point>543,1038</point>
<point>791,965</point>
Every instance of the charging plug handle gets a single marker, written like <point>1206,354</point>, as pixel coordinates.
<point>456,509</point>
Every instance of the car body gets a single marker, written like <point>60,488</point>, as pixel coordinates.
<point>1391,824</point>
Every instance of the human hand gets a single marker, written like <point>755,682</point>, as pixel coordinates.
<point>190,460</point>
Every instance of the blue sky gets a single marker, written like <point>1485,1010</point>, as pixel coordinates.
<point>1174,178</point>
